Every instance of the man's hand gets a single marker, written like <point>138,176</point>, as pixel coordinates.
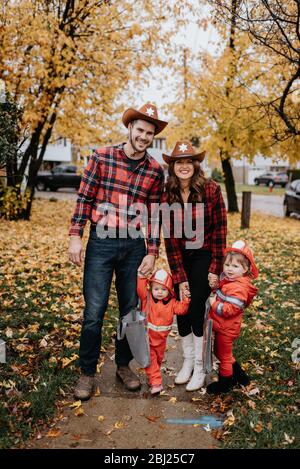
<point>147,265</point>
<point>213,280</point>
<point>184,290</point>
<point>75,250</point>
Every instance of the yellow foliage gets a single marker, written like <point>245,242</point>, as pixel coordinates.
<point>75,61</point>
<point>12,203</point>
<point>222,102</point>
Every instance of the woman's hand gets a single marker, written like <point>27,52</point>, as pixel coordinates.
<point>213,280</point>
<point>184,290</point>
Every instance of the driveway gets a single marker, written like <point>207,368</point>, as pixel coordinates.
<point>268,204</point>
<point>118,419</point>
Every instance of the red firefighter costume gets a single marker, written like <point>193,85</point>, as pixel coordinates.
<point>160,314</point>
<point>232,297</point>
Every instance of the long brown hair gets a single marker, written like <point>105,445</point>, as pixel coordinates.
<point>197,183</point>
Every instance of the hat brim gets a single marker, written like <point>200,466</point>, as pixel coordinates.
<point>132,114</point>
<point>198,156</point>
<point>254,269</point>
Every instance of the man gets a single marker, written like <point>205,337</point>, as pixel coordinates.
<point>115,174</point>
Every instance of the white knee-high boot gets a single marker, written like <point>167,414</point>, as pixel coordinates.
<point>184,374</point>
<point>198,378</point>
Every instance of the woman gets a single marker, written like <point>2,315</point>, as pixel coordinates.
<point>194,270</point>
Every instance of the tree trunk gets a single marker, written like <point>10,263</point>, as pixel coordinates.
<point>225,158</point>
<point>229,185</point>
<point>34,166</point>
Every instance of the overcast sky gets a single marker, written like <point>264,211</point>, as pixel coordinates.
<point>192,37</point>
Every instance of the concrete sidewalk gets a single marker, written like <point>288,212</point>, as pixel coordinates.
<point>119,419</point>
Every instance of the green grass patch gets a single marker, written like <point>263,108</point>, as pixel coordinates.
<point>261,190</point>
<point>41,331</point>
<point>42,303</point>
<point>266,413</point>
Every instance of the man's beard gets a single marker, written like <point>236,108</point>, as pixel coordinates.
<point>136,150</point>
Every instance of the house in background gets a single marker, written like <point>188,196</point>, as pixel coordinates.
<point>57,153</point>
<point>80,155</point>
<point>156,150</point>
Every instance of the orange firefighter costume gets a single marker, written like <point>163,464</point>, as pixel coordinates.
<point>160,314</point>
<point>232,297</point>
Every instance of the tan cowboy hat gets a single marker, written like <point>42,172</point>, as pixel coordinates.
<point>148,112</point>
<point>183,149</point>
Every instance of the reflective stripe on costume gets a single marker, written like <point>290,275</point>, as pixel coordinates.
<point>219,309</point>
<point>230,299</point>
<point>159,328</point>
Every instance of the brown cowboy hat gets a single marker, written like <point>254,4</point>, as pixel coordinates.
<point>183,149</point>
<point>148,112</point>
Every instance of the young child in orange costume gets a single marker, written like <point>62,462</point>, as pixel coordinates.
<point>159,303</point>
<point>235,292</point>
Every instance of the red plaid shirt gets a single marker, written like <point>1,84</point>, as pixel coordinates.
<point>108,179</point>
<point>215,230</point>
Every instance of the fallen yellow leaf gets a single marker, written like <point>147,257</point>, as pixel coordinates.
<point>258,427</point>
<point>43,343</point>
<point>119,425</point>
<point>230,419</point>
<point>79,412</point>
<point>67,361</point>
<point>173,400</point>
<point>251,404</point>
<point>75,405</point>
<point>53,433</point>
<point>9,332</point>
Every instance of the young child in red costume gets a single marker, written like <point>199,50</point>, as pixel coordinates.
<point>159,303</point>
<point>235,293</point>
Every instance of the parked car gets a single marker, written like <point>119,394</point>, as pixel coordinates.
<point>291,202</point>
<point>60,176</point>
<point>270,179</point>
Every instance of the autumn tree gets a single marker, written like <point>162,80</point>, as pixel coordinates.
<point>10,135</point>
<point>217,107</point>
<point>227,98</point>
<point>67,62</point>
<point>274,30</point>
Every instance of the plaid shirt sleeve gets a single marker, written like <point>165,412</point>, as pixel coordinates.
<point>154,227</point>
<point>218,241</point>
<point>86,196</point>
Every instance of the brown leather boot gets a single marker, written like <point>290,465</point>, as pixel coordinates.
<point>84,387</point>
<point>128,378</point>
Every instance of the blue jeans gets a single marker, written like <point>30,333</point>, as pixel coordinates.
<point>103,258</point>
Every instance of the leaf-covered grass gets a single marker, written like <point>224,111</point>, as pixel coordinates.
<point>41,314</point>
<point>40,321</point>
<point>266,413</point>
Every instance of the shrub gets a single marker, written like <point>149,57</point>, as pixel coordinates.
<point>12,202</point>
